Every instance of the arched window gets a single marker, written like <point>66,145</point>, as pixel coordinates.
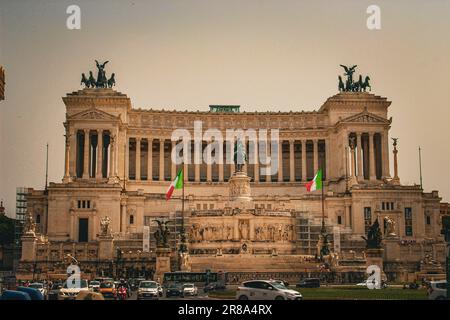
<point>38,218</point>
<point>131,219</point>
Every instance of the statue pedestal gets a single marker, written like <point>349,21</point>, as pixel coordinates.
<point>105,248</point>
<point>391,249</point>
<point>28,247</point>
<point>162,263</point>
<point>375,257</point>
<point>239,187</point>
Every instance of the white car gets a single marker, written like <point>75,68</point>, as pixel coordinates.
<point>266,290</point>
<point>189,289</point>
<point>66,293</point>
<point>94,285</point>
<point>437,290</point>
<point>40,287</point>
<point>148,290</point>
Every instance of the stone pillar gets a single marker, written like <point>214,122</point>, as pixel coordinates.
<point>28,248</point>
<point>161,159</point>
<point>221,171</point>
<point>304,161</point>
<point>385,155</point>
<point>67,177</point>
<point>162,263</point>
<point>150,159</point>
<point>352,179</point>
<point>197,172</point>
<point>316,155</point>
<point>173,166</point>
<point>291,161</point>
<point>208,168</point>
<point>138,158</point>
<point>373,175</point>
<point>127,158</point>
<point>112,156</point>
<point>256,161</point>
<point>327,159</point>
<point>280,161</point>
<point>123,217</point>
<point>98,173</point>
<point>396,179</point>
<point>359,151</point>
<point>87,148</point>
<point>105,248</point>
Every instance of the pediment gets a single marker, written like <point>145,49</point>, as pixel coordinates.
<point>93,114</point>
<point>365,117</point>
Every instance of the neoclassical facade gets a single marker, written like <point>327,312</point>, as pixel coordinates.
<point>118,164</point>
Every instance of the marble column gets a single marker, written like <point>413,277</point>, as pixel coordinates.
<point>256,162</point>
<point>371,158</point>
<point>150,159</point>
<point>173,166</point>
<point>291,161</point>
<point>161,159</point>
<point>86,154</point>
<point>280,161</point>
<point>138,158</point>
<point>316,155</point>
<point>385,155</point>
<point>98,173</point>
<point>123,217</point>
<point>304,161</point>
<point>112,156</point>
<point>359,155</point>
<point>67,158</point>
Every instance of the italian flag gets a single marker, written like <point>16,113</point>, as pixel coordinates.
<point>176,184</point>
<point>316,183</point>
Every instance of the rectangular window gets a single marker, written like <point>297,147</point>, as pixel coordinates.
<point>205,206</point>
<point>339,220</point>
<point>79,204</point>
<point>382,206</point>
<point>428,220</point>
<point>408,222</point>
<point>211,206</point>
<point>367,218</point>
<point>269,206</point>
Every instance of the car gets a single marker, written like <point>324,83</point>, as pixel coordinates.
<point>108,290</point>
<point>54,291</point>
<point>135,283</point>
<point>266,290</point>
<point>372,283</point>
<point>148,290</point>
<point>189,289</point>
<point>174,289</point>
<point>40,287</point>
<point>94,285</point>
<point>213,286</point>
<point>437,290</point>
<point>34,293</point>
<point>309,283</point>
<point>14,295</point>
<point>70,293</point>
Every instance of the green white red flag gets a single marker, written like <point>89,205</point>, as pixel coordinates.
<point>316,183</point>
<point>177,183</point>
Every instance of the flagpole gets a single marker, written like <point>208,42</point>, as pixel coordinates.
<point>420,167</point>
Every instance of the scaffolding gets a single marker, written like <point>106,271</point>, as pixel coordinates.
<point>21,212</point>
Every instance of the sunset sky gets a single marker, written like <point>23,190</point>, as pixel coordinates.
<point>187,54</point>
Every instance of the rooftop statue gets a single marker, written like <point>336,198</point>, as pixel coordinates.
<point>350,85</point>
<point>102,80</point>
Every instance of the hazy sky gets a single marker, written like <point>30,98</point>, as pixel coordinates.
<point>186,54</point>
